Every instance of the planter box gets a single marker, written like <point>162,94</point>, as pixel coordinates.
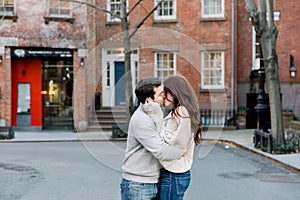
<point>295,125</point>
<point>119,131</point>
<point>287,118</point>
<point>6,132</point>
<point>241,120</point>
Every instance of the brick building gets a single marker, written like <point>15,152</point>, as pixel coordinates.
<point>40,51</point>
<point>209,42</point>
<point>286,14</point>
<point>194,41</point>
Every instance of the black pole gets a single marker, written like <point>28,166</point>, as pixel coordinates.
<point>262,101</point>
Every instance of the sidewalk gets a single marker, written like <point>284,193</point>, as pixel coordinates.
<point>242,138</point>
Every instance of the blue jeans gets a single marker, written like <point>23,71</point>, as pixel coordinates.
<point>131,190</point>
<point>173,185</point>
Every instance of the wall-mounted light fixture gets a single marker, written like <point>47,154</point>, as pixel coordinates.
<point>1,59</point>
<point>81,62</point>
<point>293,70</point>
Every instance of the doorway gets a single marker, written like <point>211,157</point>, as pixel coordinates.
<point>119,84</point>
<point>57,90</point>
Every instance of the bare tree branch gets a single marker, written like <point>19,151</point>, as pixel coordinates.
<point>94,6</point>
<point>270,8</point>
<point>138,3</point>
<point>262,15</point>
<point>252,10</point>
<point>251,7</point>
<point>135,29</point>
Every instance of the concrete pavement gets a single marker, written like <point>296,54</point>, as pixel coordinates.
<point>242,138</point>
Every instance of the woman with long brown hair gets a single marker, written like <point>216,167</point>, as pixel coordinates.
<point>182,129</point>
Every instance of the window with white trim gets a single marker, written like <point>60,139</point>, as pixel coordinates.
<point>212,70</point>
<point>6,7</point>
<point>114,6</point>
<point>165,64</point>
<point>213,9</point>
<point>108,74</point>
<point>59,8</point>
<point>166,11</point>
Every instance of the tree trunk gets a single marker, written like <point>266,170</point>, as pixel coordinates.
<point>267,32</point>
<point>127,65</point>
<point>271,70</point>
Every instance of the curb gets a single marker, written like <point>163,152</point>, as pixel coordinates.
<point>285,165</point>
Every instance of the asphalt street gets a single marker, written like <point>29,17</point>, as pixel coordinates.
<point>91,170</point>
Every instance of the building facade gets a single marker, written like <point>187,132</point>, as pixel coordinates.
<point>193,38</point>
<point>41,50</point>
<point>60,57</point>
<point>286,14</point>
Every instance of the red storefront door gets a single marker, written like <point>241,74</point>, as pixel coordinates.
<point>26,92</point>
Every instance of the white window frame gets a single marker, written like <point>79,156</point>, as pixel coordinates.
<point>59,9</point>
<point>165,17</point>
<point>110,18</point>
<point>158,68</point>
<point>7,8</point>
<point>210,4</point>
<point>213,69</point>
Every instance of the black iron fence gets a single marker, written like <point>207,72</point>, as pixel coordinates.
<point>217,117</point>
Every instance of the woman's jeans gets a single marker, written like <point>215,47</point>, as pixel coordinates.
<point>131,190</point>
<point>173,185</point>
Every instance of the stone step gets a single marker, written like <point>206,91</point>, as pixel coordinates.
<point>106,117</point>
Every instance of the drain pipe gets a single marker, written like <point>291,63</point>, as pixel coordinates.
<point>232,115</point>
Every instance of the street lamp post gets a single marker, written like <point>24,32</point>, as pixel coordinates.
<point>262,101</point>
<point>261,134</point>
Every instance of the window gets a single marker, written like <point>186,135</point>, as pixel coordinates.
<point>165,64</point>
<point>136,68</point>
<point>166,11</point>
<point>6,7</point>
<point>114,6</point>
<point>107,74</point>
<point>213,9</point>
<point>23,97</point>
<point>59,8</point>
<point>212,70</point>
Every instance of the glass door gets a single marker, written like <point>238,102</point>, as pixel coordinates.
<point>57,94</point>
<point>23,109</point>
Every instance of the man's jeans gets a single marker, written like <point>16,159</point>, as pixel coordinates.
<point>173,185</point>
<point>131,190</point>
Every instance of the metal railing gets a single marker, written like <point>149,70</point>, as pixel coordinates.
<point>216,117</point>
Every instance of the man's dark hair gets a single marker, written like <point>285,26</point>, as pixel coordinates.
<point>145,88</point>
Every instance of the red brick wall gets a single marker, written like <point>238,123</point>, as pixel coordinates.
<point>189,25</point>
<point>30,30</point>
<point>287,44</point>
<point>287,41</point>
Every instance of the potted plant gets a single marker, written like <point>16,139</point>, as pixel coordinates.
<point>241,117</point>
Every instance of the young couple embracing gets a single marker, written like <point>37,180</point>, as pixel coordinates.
<point>159,152</point>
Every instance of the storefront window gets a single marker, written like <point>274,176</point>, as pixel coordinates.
<point>57,94</point>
